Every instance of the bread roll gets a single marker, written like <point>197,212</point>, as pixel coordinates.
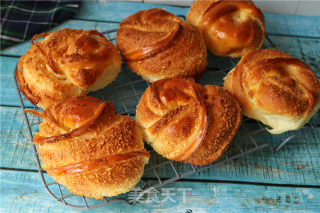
<point>188,122</point>
<point>89,149</point>
<point>66,63</point>
<point>275,88</point>
<point>157,44</point>
<point>229,28</point>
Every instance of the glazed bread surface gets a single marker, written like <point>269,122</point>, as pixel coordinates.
<point>157,44</point>
<point>89,149</point>
<point>66,63</point>
<point>275,88</point>
<point>229,28</point>
<point>188,122</point>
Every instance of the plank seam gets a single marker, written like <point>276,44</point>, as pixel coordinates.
<point>293,36</point>
<point>15,106</point>
<point>10,56</point>
<point>18,169</point>
<point>201,181</point>
<point>93,20</point>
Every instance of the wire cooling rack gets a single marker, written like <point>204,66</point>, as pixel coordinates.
<point>125,93</point>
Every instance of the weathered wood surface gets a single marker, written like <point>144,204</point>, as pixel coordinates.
<point>278,24</point>
<point>108,15</point>
<point>306,49</point>
<point>296,163</point>
<point>25,194</point>
<point>289,179</point>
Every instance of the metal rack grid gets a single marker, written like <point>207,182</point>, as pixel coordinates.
<point>125,93</point>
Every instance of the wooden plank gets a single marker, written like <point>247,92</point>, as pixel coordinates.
<point>8,92</point>
<point>306,49</point>
<point>15,144</point>
<point>308,26</point>
<point>297,163</point>
<point>116,11</point>
<point>275,23</point>
<point>23,192</point>
<point>20,49</point>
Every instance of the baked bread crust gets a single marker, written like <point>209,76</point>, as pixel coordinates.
<point>89,149</point>
<point>66,63</point>
<point>157,44</point>
<point>188,122</point>
<point>275,88</point>
<point>229,28</point>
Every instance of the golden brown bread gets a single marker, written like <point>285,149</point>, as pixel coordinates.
<point>188,122</point>
<point>66,63</point>
<point>157,44</point>
<point>275,88</point>
<point>89,149</point>
<point>229,28</point>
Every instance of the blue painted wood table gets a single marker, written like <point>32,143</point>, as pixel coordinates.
<point>246,179</point>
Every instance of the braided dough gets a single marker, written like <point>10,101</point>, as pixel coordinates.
<point>275,88</point>
<point>157,44</point>
<point>188,122</point>
<point>66,63</point>
<point>229,28</point>
<point>89,149</point>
